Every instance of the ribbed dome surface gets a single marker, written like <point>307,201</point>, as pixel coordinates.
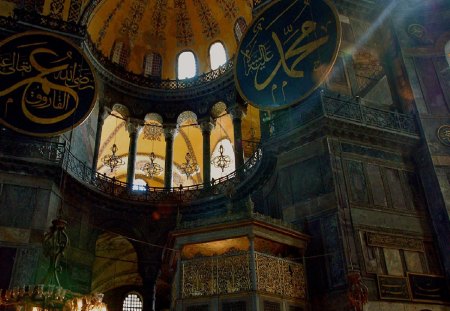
<point>166,27</point>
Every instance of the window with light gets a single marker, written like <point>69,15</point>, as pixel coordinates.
<point>119,54</point>
<point>239,28</point>
<point>217,55</point>
<point>152,65</point>
<point>186,65</point>
<point>132,302</point>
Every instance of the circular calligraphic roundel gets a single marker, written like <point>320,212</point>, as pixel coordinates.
<point>287,52</point>
<point>47,85</point>
<point>443,134</point>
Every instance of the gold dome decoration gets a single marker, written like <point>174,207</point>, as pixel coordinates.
<point>165,27</point>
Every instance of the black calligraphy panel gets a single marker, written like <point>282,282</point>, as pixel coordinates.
<point>287,53</point>
<point>47,86</point>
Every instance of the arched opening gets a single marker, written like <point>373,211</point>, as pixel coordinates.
<point>115,265</point>
<point>132,302</point>
<point>114,133</point>
<point>239,28</point>
<point>186,65</point>
<point>120,53</point>
<point>217,55</point>
<point>152,65</point>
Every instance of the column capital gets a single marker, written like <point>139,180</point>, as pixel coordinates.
<point>134,125</point>
<point>207,125</point>
<point>170,131</point>
<point>103,112</point>
<point>236,111</point>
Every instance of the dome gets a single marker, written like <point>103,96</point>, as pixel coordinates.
<point>138,34</point>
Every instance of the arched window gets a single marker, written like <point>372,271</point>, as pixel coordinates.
<point>186,65</point>
<point>133,302</point>
<point>217,55</point>
<point>119,54</point>
<point>239,28</point>
<point>152,65</point>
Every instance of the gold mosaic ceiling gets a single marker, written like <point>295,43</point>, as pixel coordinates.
<point>167,27</point>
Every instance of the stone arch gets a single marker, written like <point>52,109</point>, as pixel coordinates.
<point>185,116</point>
<point>218,109</point>
<point>153,117</point>
<point>116,263</point>
<point>121,109</point>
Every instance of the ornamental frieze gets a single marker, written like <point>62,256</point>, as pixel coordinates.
<point>393,241</point>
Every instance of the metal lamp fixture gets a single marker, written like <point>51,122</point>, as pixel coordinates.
<point>190,167</point>
<point>112,160</point>
<point>221,160</point>
<point>51,295</point>
<point>152,168</point>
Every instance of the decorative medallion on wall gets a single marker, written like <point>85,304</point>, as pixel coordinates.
<point>443,134</point>
<point>287,53</point>
<point>47,86</point>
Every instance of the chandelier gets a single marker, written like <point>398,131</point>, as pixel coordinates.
<point>50,295</point>
<point>112,160</point>
<point>152,168</point>
<point>221,160</point>
<point>190,167</point>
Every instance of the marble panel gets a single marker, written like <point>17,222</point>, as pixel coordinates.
<point>393,261</point>
<point>413,262</point>
<point>395,188</point>
<point>357,182</point>
<point>14,235</point>
<point>376,185</point>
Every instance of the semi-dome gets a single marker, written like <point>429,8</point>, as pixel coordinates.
<point>146,37</point>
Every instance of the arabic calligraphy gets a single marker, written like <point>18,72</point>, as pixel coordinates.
<point>47,86</point>
<point>283,51</point>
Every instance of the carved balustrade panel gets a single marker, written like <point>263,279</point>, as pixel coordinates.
<point>233,274</point>
<point>293,279</point>
<point>199,277</point>
<point>215,275</point>
<point>279,276</point>
<point>269,274</point>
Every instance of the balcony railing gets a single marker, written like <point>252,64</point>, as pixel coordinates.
<point>323,106</point>
<point>230,273</point>
<point>339,108</point>
<point>155,82</point>
<point>59,155</point>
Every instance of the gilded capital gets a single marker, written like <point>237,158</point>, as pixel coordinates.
<point>170,131</point>
<point>207,126</point>
<point>236,111</point>
<point>134,125</point>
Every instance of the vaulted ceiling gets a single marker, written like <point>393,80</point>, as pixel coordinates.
<point>166,27</point>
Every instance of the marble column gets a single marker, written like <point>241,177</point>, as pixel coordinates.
<point>103,113</point>
<point>206,126</point>
<point>134,126</point>
<point>237,112</point>
<point>169,134</point>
